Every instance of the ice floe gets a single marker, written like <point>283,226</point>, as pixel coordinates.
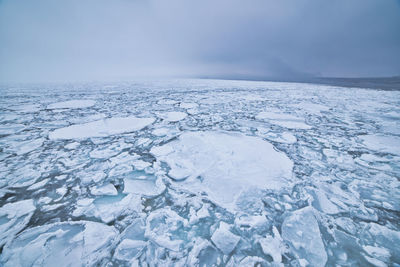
<point>283,119</point>
<point>382,143</point>
<point>302,232</point>
<point>14,217</point>
<point>224,239</point>
<point>173,116</point>
<point>101,128</point>
<point>71,104</point>
<point>224,165</point>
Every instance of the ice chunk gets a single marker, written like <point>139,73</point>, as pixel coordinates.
<point>284,137</point>
<point>251,261</point>
<point>301,230</point>
<point>28,108</point>
<point>188,105</point>
<point>167,102</point>
<point>101,128</point>
<point>146,187</point>
<point>255,222</point>
<point>160,226</point>
<point>11,129</point>
<point>60,244</point>
<point>322,203</point>
<point>283,119</point>
<point>108,208</point>
<point>72,104</point>
<point>129,249</point>
<point>14,217</point>
<point>387,239</point>
<point>39,184</point>
<point>72,146</point>
<point>105,190</point>
<point>224,239</point>
<point>174,116</point>
<point>28,146</point>
<point>203,254</point>
<point>223,165</point>
<point>273,245</point>
<point>380,253</point>
<point>382,143</point>
<point>140,164</point>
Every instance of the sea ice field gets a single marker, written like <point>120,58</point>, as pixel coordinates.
<point>199,173</point>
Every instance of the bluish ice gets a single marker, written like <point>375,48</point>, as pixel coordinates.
<point>199,173</point>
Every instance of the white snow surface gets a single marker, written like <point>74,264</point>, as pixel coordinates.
<point>224,165</point>
<point>101,128</point>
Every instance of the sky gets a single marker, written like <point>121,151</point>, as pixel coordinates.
<point>86,40</point>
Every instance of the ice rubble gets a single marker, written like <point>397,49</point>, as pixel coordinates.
<point>108,208</point>
<point>80,243</point>
<point>224,165</point>
<point>101,128</point>
<point>71,104</point>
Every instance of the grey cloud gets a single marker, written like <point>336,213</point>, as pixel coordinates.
<point>101,40</point>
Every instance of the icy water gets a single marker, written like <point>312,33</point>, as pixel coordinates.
<point>199,173</point>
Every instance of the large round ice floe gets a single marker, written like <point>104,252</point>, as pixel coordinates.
<point>224,165</point>
<point>101,128</point>
<point>60,244</point>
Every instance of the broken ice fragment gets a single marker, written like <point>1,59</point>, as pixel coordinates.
<point>14,217</point>
<point>79,243</point>
<point>273,245</point>
<point>129,249</point>
<point>224,239</point>
<point>106,190</point>
<point>160,226</point>
<point>301,230</point>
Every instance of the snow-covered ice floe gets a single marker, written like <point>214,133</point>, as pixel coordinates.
<point>199,173</point>
<point>72,104</point>
<point>101,128</point>
<point>224,165</point>
<point>173,116</point>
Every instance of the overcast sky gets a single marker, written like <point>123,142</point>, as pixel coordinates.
<point>48,40</point>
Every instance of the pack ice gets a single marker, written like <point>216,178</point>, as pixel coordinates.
<point>199,173</point>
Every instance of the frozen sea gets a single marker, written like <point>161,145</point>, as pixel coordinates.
<point>199,173</point>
